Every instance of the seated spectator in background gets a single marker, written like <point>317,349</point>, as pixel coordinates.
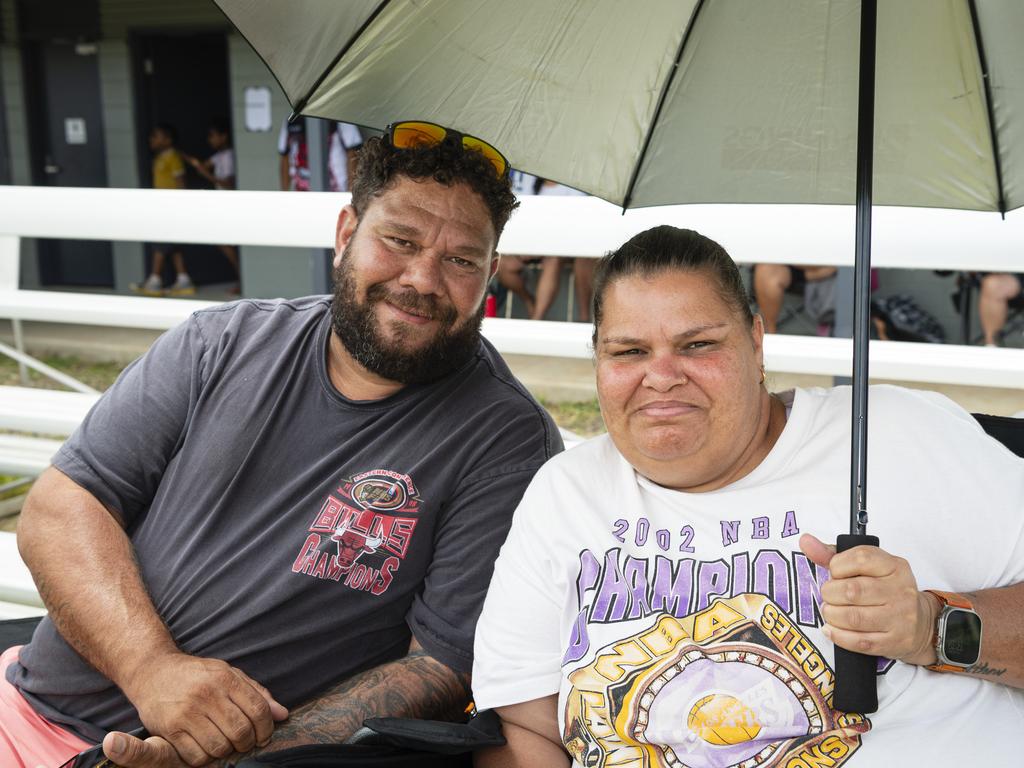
<point>998,289</point>
<point>511,267</point>
<point>168,173</point>
<point>665,596</point>
<point>290,502</point>
<point>551,270</point>
<point>772,281</point>
<point>219,170</point>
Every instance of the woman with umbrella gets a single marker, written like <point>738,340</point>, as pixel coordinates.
<point>663,598</point>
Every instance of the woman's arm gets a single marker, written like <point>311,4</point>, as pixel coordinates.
<point>531,730</point>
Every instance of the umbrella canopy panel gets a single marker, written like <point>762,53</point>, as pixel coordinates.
<point>678,101</point>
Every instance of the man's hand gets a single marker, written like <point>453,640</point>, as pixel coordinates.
<point>872,605</point>
<point>204,708</point>
<point>130,752</point>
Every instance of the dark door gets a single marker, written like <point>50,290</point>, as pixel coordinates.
<point>68,151</point>
<point>182,81</point>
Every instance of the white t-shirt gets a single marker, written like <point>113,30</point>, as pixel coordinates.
<point>223,164</point>
<point>344,137</point>
<point>683,629</point>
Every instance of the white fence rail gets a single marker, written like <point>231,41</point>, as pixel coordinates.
<point>569,226</point>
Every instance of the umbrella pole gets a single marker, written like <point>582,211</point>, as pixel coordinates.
<point>856,685</point>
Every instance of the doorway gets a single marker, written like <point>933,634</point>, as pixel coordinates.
<point>67,149</point>
<point>181,80</point>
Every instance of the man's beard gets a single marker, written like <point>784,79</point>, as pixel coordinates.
<point>356,325</point>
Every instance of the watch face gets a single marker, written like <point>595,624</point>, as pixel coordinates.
<point>962,642</point>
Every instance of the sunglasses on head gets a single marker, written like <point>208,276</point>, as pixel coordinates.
<point>415,134</point>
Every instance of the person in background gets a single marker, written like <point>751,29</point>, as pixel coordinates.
<point>771,281</point>
<point>168,173</point>
<point>998,289</point>
<point>219,170</point>
<point>551,269</point>
<point>511,267</point>
<point>294,153</point>
<point>342,155</point>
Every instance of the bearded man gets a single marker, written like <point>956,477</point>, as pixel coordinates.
<point>289,501</point>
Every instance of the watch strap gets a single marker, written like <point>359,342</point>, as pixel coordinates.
<point>952,600</point>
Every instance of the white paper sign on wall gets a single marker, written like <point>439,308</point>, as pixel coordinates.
<point>74,130</point>
<point>257,109</point>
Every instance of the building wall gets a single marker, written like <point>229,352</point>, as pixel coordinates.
<point>266,272</point>
<point>119,17</point>
<point>16,125</point>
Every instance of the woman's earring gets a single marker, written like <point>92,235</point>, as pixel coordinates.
<point>764,374</point>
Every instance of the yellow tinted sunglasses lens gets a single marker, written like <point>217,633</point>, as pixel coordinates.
<point>494,156</point>
<point>412,135</point>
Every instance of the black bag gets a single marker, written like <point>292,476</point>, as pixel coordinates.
<point>906,321</point>
<point>395,742</point>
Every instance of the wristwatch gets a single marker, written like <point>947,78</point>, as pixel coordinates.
<point>957,633</point>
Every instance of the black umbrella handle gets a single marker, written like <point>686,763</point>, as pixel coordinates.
<point>856,673</point>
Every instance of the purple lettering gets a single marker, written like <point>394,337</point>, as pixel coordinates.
<point>790,528</point>
<point>687,533</point>
<point>712,581</point>
<point>579,640</point>
<point>760,526</point>
<point>809,578</point>
<point>740,574</point>
<point>771,577</point>
<point>635,572</point>
<point>590,569</point>
<point>673,586</point>
<point>730,532</point>
<point>613,596</point>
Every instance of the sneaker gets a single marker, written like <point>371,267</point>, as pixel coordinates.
<point>183,286</point>
<point>152,286</point>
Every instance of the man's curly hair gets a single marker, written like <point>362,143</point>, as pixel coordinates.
<point>446,163</point>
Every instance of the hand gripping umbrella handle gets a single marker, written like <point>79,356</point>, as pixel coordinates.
<point>856,673</point>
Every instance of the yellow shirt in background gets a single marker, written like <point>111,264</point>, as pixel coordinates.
<point>168,170</point>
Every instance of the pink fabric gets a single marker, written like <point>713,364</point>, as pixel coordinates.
<point>28,740</point>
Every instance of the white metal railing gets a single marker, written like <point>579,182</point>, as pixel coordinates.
<point>544,226</point>
<point>561,226</point>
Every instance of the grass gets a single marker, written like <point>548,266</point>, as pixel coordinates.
<point>97,375</point>
<point>582,417</point>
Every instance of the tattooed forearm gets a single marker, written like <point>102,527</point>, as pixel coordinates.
<point>414,686</point>
<point>984,669</point>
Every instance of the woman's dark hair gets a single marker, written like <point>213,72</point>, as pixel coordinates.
<point>669,248</point>
<point>446,163</point>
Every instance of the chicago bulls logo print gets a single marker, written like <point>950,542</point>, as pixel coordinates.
<point>370,519</point>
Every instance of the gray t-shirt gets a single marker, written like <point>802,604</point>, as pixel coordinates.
<point>279,526</point>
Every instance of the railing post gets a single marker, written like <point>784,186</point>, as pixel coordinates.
<point>10,266</point>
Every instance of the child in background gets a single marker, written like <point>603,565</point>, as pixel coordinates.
<point>219,170</point>
<point>168,173</point>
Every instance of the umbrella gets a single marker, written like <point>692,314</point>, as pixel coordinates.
<point>685,101</point>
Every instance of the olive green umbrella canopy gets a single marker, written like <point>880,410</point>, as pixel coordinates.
<point>651,102</point>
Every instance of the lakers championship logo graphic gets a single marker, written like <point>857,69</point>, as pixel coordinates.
<point>736,685</point>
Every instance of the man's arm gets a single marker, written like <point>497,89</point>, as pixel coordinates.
<point>283,175</point>
<point>872,605</point>
<point>417,685</point>
<point>101,607</point>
